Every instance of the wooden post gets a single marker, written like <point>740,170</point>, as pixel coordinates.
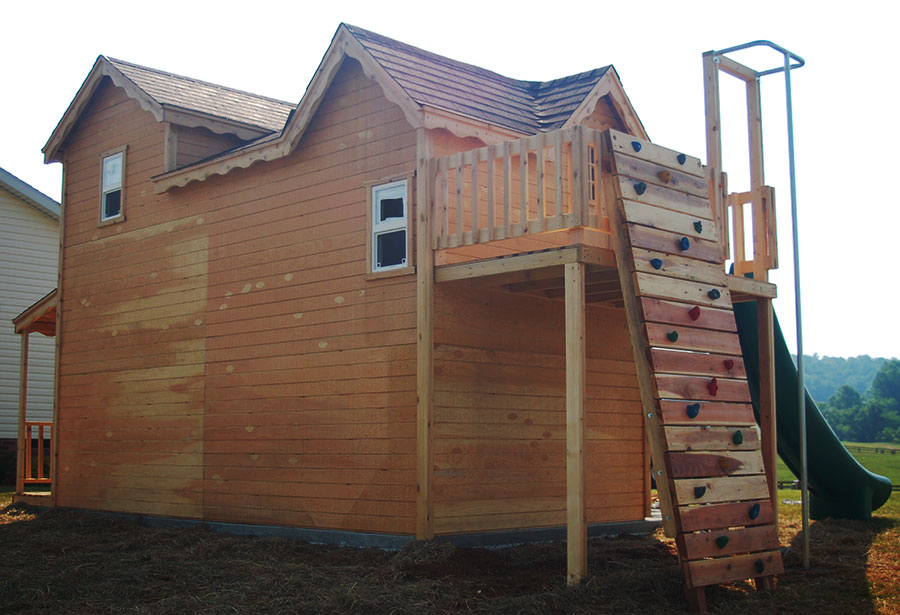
<point>23,399</point>
<point>424,336</point>
<point>767,424</point>
<point>576,380</point>
<point>754,136</point>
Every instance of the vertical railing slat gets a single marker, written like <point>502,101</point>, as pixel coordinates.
<point>557,166</point>
<point>507,190</point>
<point>523,180</point>
<point>475,197</point>
<point>459,200</point>
<point>491,155</point>
<point>539,161</point>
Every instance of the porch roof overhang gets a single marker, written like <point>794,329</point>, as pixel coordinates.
<point>40,317</point>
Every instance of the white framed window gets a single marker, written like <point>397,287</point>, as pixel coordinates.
<point>112,185</point>
<point>390,226</point>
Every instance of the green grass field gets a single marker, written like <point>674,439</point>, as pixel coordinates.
<point>884,464</point>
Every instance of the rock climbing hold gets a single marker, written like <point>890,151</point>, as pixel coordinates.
<point>694,313</point>
<point>672,336</point>
<point>699,492</point>
<point>684,243</point>
<point>636,145</point>
<point>664,176</point>
<point>656,263</point>
<point>713,386</point>
<point>721,541</point>
<point>754,511</point>
<point>693,410</point>
<point>640,187</point>
<point>729,364</point>
<point>698,226</point>
<point>682,158</point>
<point>714,294</point>
<point>760,566</point>
<point>738,437</point>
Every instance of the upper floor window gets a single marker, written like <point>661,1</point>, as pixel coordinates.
<point>112,185</point>
<point>390,243</point>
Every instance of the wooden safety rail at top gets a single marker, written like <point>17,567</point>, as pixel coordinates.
<point>704,442</point>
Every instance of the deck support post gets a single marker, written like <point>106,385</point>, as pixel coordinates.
<point>576,380</point>
<point>424,341</point>
<point>23,399</point>
<point>765,318</point>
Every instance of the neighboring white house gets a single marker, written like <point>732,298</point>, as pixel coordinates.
<point>29,254</point>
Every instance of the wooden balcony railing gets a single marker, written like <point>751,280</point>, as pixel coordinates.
<point>553,181</point>
<point>546,182</point>
<point>38,439</point>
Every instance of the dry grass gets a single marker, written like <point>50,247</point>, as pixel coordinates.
<point>65,562</point>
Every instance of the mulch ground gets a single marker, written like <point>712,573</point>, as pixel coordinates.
<point>56,561</point>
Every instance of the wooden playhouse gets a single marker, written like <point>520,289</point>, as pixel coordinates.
<point>426,301</point>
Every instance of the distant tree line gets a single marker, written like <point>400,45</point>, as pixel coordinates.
<point>825,375</point>
<point>872,417</point>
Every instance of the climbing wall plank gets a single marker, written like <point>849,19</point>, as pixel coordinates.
<point>703,438</point>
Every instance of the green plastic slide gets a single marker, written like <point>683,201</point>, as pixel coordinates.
<point>839,486</point>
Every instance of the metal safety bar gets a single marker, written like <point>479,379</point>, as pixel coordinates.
<point>786,68</point>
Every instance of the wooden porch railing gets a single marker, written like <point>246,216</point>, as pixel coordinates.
<point>34,452</point>
<point>552,181</point>
<point>546,182</point>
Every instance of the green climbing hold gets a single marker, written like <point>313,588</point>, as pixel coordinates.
<point>672,335</point>
<point>693,410</point>
<point>721,541</point>
<point>636,145</point>
<point>760,566</point>
<point>738,437</point>
<point>698,226</point>
<point>714,294</point>
<point>699,492</point>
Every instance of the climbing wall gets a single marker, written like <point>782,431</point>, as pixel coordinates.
<point>704,442</point>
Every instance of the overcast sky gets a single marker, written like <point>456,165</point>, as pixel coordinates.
<point>845,104</point>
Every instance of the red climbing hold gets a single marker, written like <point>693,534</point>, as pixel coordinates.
<point>729,364</point>
<point>713,386</point>
<point>694,313</point>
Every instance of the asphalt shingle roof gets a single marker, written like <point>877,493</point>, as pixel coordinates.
<point>430,79</point>
<point>173,90</point>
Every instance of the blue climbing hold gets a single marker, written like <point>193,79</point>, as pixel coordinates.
<point>693,410</point>
<point>684,243</point>
<point>714,294</point>
<point>699,492</point>
<point>760,566</point>
<point>636,146</point>
<point>698,226</point>
<point>682,158</point>
<point>754,511</point>
<point>640,187</point>
<point>656,263</point>
<point>738,437</point>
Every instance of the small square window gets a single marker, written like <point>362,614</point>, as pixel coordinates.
<point>112,180</point>
<point>389,226</point>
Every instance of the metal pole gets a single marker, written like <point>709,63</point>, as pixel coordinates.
<point>801,384</point>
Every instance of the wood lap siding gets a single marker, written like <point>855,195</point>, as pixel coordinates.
<point>499,433</point>
<point>232,360</point>
<point>199,143</point>
<point>311,366</point>
<point>132,362</point>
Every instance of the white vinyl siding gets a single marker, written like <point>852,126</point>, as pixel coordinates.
<point>29,247</point>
